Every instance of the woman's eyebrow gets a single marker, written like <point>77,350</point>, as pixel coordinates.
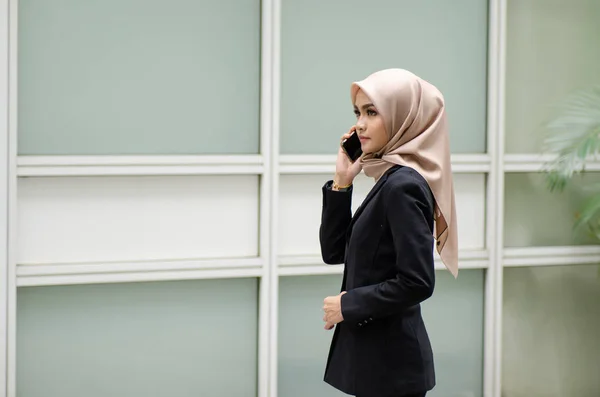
<point>365,106</point>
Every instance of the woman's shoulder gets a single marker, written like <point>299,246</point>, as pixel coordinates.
<point>406,180</point>
<point>402,176</point>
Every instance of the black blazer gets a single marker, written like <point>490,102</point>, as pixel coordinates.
<point>381,348</point>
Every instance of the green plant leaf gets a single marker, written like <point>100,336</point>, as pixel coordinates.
<point>573,136</point>
<point>589,212</point>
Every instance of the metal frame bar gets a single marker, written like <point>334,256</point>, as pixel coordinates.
<point>4,193</point>
<point>495,214</point>
<point>266,197</point>
<point>11,377</point>
<point>274,169</point>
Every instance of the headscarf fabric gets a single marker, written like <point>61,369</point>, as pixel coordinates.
<point>414,116</point>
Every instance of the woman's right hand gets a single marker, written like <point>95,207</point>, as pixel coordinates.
<point>346,170</point>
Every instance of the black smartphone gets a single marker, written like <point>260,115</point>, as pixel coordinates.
<point>352,147</point>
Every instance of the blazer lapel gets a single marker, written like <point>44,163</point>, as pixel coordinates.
<point>369,197</point>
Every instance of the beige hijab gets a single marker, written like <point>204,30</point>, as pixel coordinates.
<point>415,119</point>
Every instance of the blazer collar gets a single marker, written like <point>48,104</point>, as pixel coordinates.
<point>372,193</point>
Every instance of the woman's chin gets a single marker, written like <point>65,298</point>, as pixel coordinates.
<point>369,147</point>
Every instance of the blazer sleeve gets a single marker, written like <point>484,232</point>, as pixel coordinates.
<point>409,210</point>
<point>335,219</point>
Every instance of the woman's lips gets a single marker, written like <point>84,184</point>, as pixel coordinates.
<point>363,138</point>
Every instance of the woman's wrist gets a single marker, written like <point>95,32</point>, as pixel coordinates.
<point>341,183</point>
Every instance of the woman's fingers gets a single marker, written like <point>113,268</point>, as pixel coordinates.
<point>348,134</point>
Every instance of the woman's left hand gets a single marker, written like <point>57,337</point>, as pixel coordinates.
<point>332,306</point>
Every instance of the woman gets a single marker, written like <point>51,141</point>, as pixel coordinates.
<point>380,346</point>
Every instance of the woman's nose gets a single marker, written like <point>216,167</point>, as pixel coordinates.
<point>360,125</point>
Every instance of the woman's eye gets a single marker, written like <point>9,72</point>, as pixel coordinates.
<point>356,113</point>
<point>371,112</point>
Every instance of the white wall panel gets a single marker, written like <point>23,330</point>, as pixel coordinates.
<point>300,211</point>
<point>93,219</point>
<point>470,208</point>
<point>301,202</point>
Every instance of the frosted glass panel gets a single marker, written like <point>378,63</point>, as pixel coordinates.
<point>552,50</point>
<point>326,45</point>
<point>303,343</point>
<point>535,217</point>
<point>454,319</point>
<point>138,76</point>
<point>179,339</point>
<point>550,331</point>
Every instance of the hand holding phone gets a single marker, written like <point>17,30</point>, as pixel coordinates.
<point>347,165</point>
<point>352,147</point>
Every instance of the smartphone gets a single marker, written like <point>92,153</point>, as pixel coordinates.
<point>352,147</point>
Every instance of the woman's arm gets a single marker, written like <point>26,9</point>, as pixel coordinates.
<point>337,214</point>
<point>335,219</point>
<point>409,210</point>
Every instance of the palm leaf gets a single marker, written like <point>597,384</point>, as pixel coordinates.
<point>589,212</point>
<point>574,135</point>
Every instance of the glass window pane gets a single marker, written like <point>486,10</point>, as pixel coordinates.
<point>552,50</point>
<point>180,339</point>
<point>138,76</point>
<point>303,343</point>
<point>535,217</point>
<point>328,44</point>
<point>454,319</point>
<point>550,331</point>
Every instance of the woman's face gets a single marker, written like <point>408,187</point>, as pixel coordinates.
<point>369,124</point>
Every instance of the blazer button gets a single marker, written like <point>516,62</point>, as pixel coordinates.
<point>370,319</point>
<point>360,324</point>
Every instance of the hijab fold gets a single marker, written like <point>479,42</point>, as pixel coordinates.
<point>414,116</point>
